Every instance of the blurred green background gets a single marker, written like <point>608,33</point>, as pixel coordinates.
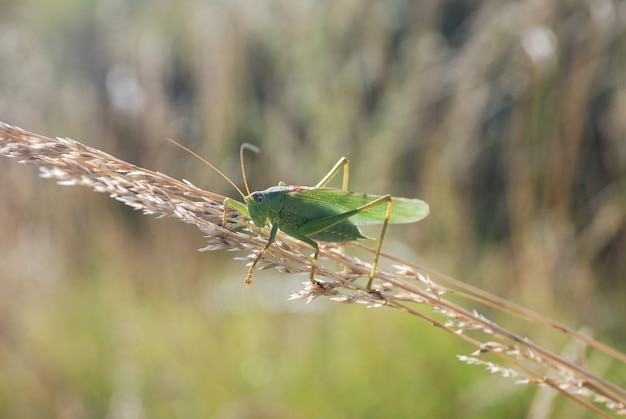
<point>508,117</point>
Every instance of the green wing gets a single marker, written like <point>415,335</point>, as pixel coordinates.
<point>404,210</point>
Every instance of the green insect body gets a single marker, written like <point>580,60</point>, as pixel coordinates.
<point>312,214</point>
<point>293,208</point>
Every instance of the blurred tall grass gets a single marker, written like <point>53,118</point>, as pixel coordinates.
<point>509,118</point>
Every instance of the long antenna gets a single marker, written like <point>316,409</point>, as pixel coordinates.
<point>252,148</point>
<point>213,167</point>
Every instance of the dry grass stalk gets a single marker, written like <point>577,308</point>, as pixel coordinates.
<point>407,288</point>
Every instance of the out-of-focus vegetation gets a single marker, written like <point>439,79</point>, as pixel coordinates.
<point>509,118</point>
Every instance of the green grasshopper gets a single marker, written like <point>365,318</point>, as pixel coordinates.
<point>318,213</point>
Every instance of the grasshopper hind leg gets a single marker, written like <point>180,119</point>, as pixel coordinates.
<point>344,164</point>
<point>380,241</point>
<point>319,226</point>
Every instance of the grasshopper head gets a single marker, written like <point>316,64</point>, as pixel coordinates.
<point>258,208</point>
<point>265,205</point>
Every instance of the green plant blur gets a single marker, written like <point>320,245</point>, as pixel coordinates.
<point>506,117</point>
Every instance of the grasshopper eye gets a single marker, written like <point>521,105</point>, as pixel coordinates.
<point>259,199</point>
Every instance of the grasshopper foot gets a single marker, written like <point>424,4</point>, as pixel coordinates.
<point>377,295</point>
<point>315,282</point>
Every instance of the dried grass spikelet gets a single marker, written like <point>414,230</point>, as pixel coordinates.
<point>72,163</point>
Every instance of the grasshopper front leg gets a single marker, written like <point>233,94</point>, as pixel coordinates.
<point>270,240</point>
<point>244,210</point>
